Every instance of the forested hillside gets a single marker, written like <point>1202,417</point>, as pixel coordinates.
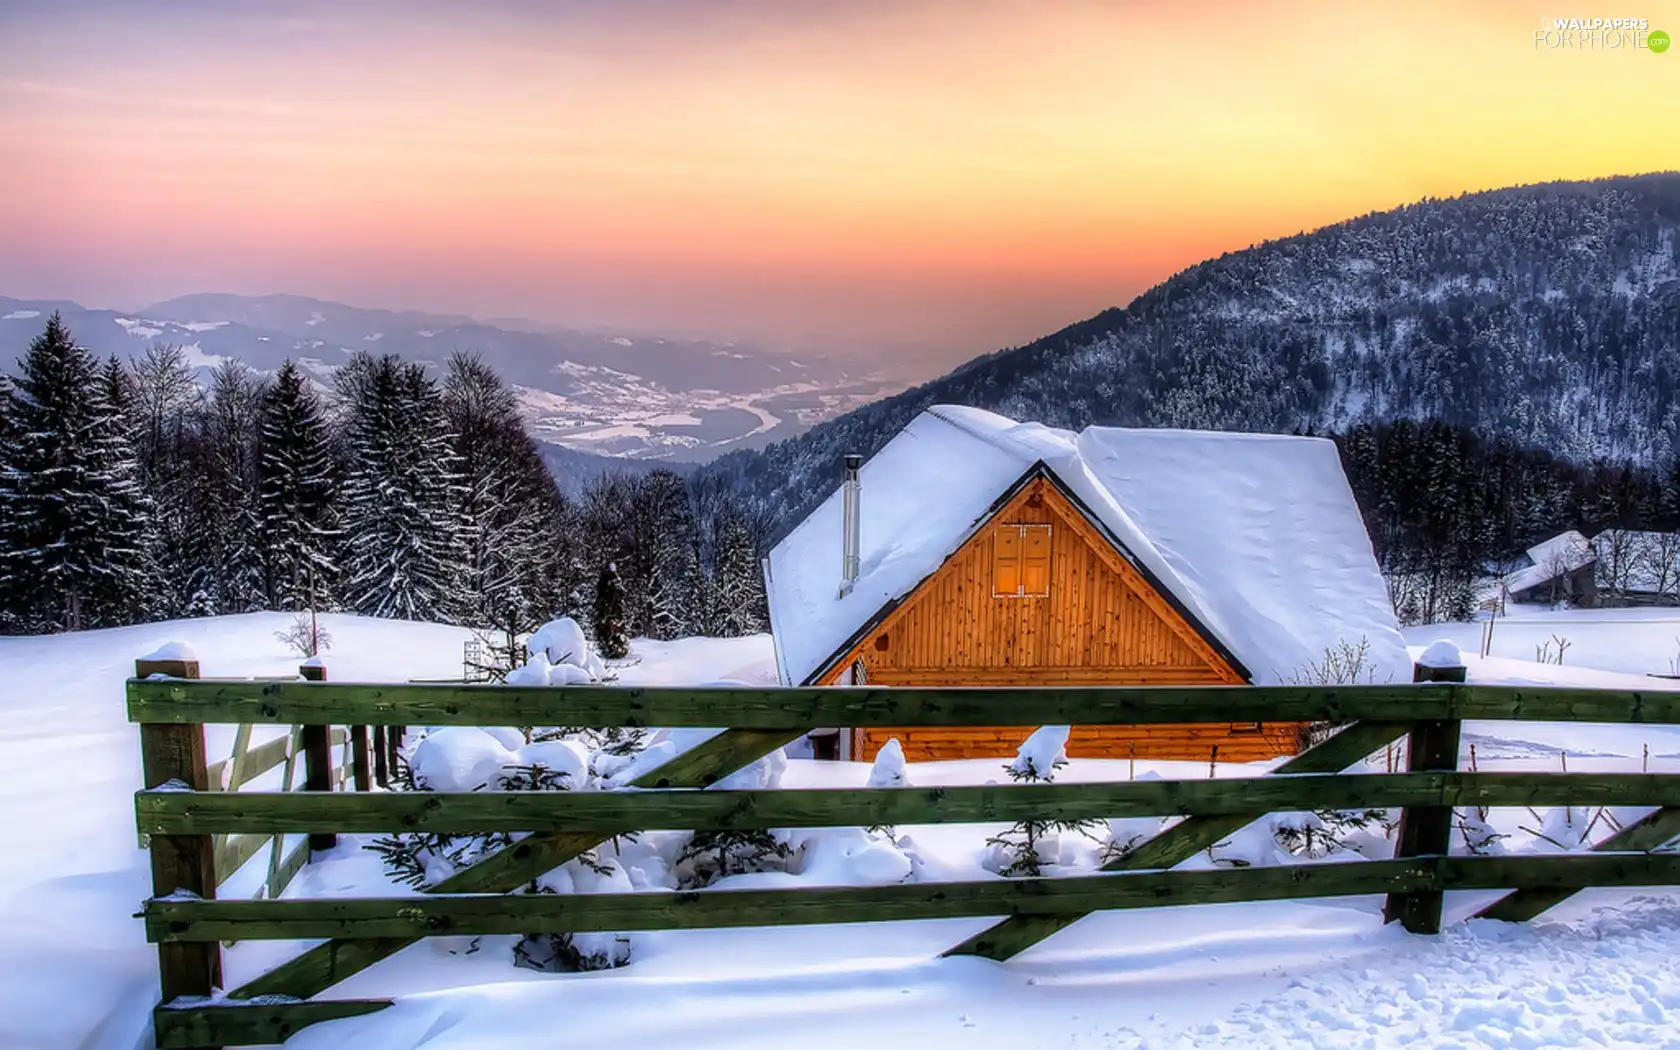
<point>136,494</point>
<point>1545,316</point>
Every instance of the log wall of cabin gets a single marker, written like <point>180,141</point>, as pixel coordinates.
<point>1101,623</point>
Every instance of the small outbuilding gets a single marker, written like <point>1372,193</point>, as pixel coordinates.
<point>1561,569</point>
<point>973,550</point>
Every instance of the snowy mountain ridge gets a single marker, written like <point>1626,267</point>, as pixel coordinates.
<point>1547,314</point>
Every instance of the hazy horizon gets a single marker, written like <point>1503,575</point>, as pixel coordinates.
<point>947,177</point>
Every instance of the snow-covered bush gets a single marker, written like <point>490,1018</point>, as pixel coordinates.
<point>888,771</point>
<point>577,952</point>
<point>1031,844</point>
<point>848,857</point>
<point>708,856</point>
<point>1479,836</point>
<point>1322,832</point>
<point>559,655</point>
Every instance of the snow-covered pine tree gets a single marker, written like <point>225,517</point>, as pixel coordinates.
<point>169,404</point>
<point>739,577</point>
<point>297,495</point>
<point>517,547</point>
<point>1021,849</point>
<point>57,490</point>
<point>226,558</point>
<point>705,614</point>
<point>659,531</point>
<point>611,641</point>
<point>402,533</point>
<point>11,618</point>
<point>127,574</point>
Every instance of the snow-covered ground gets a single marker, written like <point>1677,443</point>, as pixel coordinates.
<point>75,971</point>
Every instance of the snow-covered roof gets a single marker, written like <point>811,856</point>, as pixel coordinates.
<point>1563,553</point>
<point>1256,536</point>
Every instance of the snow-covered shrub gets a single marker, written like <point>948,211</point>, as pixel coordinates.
<point>847,857</point>
<point>1254,846</point>
<point>889,768</point>
<point>577,952</point>
<point>465,759</point>
<point>1322,832</point>
<point>1479,836</point>
<point>559,655</point>
<point>1126,834</point>
<point>708,856</point>
<point>1031,844</point>
<point>471,758</point>
<point>888,772</point>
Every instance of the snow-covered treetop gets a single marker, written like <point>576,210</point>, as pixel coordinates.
<point>1256,535</point>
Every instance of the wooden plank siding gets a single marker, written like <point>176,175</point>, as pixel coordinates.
<point>1101,623</point>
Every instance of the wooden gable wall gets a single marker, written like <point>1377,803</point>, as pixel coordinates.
<point>1101,623</point>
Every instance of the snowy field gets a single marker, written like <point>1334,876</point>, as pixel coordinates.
<point>76,973</point>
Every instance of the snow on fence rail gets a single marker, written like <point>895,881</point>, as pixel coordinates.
<point>188,924</point>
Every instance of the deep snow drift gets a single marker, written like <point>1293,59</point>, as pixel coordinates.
<point>75,971</point>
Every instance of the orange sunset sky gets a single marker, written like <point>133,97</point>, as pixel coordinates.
<point>947,177</point>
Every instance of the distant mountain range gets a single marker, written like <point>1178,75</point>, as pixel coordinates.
<point>1549,314</point>
<point>597,392</point>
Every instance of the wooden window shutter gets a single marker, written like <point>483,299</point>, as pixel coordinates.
<point>1006,561</point>
<point>1035,561</point>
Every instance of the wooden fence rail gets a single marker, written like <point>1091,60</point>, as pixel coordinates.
<point>183,819</point>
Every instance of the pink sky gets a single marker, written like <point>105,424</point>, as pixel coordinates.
<point>956,176</point>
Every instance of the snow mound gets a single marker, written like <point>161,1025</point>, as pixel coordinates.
<point>1442,653</point>
<point>1041,753</point>
<point>560,655</point>
<point>888,770</point>
<point>171,651</point>
<point>460,758</point>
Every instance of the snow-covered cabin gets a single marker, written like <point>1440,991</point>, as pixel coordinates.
<point>1560,569</point>
<point>975,550</point>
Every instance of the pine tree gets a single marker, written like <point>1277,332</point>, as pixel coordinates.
<point>739,579</point>
<point>225,528</point>
<point>169,405</point>
<point>127,574</point>
<point>297,495</point>
<point>705,613</point>
<point>11,608</point>
<point>658,533</point>
<point>611,641</point>
<point>401,532</point>
<point>58,489</point>
<point>516,548</point>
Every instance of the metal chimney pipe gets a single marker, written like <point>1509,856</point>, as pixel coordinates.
<point>851,495</point>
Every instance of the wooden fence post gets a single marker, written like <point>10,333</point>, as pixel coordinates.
<point>393,740</point>
<point>1426,831</point>
<point>180,863</point>
<point>317,760</point>
<point>381,768</point>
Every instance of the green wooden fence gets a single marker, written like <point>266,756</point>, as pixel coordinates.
<point>181,816</point>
